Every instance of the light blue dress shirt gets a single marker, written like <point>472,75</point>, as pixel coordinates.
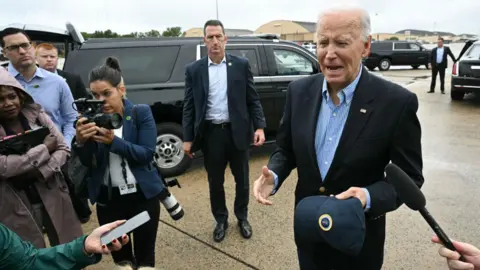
<point>53,94</point>
<point>330,124</point>
<point>440,55</point>
<point>217,102</point>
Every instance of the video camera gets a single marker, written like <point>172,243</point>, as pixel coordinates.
<point>92,109</point>
<point>19,144</point>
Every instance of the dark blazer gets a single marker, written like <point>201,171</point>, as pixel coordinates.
<point>444,63</point>
<point>382,126</point>
<point>75,84</point>
<point>137,146</point>
<point>243,102</point>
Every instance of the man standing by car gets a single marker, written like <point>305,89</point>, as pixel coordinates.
<point>439,62</point>
<point>47,58</point>
<point>220,106</point>
<point>49,90</point>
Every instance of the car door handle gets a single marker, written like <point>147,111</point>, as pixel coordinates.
<point>284,89</point>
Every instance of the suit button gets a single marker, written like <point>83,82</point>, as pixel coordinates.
<point>322,189</point>
<point>35,163</point>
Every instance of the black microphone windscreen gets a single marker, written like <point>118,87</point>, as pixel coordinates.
<point>406,189</point>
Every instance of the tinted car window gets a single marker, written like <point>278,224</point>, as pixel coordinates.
<point>414,46</point>
<point>292,63</point>
<point>474,51</point>
<point>401,46</point>
<point>139,65</point>
<point>382,46</point>
<point>250,54</point>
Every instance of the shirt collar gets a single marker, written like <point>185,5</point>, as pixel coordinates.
<point>15,73</point>
<point>346,95</point>
<point>210,62</point>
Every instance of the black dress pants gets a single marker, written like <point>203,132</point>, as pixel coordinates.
<point>219,150</point>
<point>440,70</point>
<point>121,207</point>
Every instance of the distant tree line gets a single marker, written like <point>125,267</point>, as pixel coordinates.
<point>169,32</point>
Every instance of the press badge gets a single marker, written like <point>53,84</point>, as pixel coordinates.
<point>127,189</point>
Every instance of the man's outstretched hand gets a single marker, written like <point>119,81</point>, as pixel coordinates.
<point>263,187</point>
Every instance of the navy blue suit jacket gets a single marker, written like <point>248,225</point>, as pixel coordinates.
<point>244,107</point>
<point>137,146</point>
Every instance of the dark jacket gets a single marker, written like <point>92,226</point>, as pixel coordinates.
<point>137,146</point>
<point>444,63</point>
<point>22,255</point>
<point>75,84</point>
<point>382,126</point>
<point>244,106</point>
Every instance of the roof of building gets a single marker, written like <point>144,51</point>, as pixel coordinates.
<point>310,26</point>
<point>237,32</point>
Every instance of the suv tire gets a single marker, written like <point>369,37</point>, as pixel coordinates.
<point>384,64</point>
<point>169,155</point>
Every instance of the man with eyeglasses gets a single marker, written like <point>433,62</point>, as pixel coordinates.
<point>48,89</point>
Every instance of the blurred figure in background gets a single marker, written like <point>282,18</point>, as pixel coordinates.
<point>47,58</point>
<point>439,62</point>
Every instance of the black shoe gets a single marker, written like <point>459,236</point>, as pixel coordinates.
<point>219,232</point>
<point>443,92</point>
<point>431,91</point>
<point>245,229</point>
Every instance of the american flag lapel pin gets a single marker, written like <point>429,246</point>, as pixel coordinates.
<point>363,110</point>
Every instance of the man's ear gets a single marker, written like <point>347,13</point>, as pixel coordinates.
<point>367,47</point>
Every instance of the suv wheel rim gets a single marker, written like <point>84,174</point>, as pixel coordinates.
<point>169,151</point>
<point>384,64</point>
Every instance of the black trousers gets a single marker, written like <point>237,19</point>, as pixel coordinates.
<point>219,150</point>
<point>441,71</point>
<point>144,237</point>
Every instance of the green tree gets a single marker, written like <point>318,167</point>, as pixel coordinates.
<point>172,32</point>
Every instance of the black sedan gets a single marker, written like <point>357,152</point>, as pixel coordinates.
<point>466,71</point>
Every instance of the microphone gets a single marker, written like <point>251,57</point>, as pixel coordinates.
<point>414,199</point>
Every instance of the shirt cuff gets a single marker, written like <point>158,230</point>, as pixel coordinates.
<point>367,205</point>
<point>275,180</point>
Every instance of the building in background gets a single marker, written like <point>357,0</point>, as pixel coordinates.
<point>301,32</point>
<point>198,32</point>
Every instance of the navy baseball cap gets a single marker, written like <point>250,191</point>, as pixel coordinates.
<point>325,219</point>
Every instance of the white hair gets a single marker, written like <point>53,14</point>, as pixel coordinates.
<point>365,22</point>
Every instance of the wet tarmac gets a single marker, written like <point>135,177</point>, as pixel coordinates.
<point>451,151</point>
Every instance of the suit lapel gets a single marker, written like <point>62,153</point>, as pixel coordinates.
<point>313,101</point>
<point>127,121</point>
<point>204,72</point>
<point>230,67</point>
<point>360,111</point>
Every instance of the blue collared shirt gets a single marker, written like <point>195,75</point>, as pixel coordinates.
<point>440,55</point>
<point>53,94</point>
<point>217,102</point>
<point>330,124</point>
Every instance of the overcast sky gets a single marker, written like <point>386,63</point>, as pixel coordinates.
<point>125,16</point>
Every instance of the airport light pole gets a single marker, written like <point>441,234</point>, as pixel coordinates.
<point>216,4</point>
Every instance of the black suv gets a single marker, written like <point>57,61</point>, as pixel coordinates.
<point>466,71</point>
<point>154,73</point>
<point>384,54</point>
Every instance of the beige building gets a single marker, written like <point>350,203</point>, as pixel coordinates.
<point>198,32</point>
<point>290,30</point>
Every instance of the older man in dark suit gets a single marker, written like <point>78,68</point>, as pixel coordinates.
<point>340,129</point>
<point>220,109</point>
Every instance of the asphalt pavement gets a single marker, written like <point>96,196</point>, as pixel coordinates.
<point>451,151</point>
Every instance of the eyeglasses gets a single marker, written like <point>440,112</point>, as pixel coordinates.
<point>25,46</point>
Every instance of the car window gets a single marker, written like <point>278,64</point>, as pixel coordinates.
<point>474,51</point>
<point>250,54</point>
<point>401,46</point>
<point>292,63</point>
<point>414,46</point>
<point>139,65</point>
<point>381,46</point>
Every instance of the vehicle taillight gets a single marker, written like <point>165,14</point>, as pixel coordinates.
<point>454,69</point>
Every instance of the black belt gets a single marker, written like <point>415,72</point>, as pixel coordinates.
<point>223,125</point>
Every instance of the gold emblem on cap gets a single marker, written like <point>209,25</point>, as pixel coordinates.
<point>325,218</point>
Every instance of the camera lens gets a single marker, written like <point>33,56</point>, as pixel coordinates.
<point>116,120</point>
